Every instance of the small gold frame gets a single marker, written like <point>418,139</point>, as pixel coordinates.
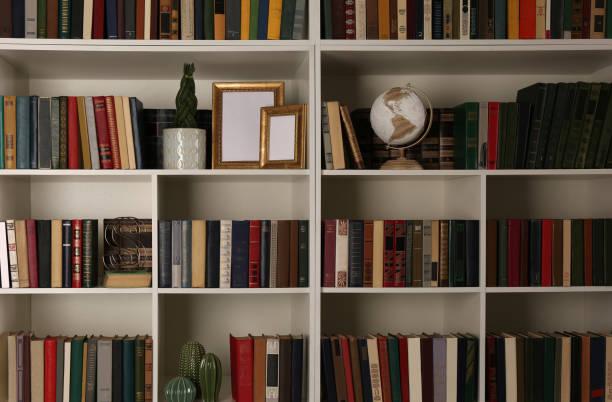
<point>277,87</point>
<point>299,151</point>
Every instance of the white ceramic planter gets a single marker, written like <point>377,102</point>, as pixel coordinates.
<point>184,148</point>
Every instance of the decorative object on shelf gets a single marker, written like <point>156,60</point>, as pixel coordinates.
<point>185,145</point>
<point>211,375</point>
<point>283,137</point>
<point>400,119</point>
<point>190,356</point>
<point>180,389</point>
<point>236,141</point>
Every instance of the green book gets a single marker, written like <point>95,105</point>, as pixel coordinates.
<point>549,369</point>
<point>529,360</point>
<point>602,156</point>
<point>501,136</point>
<point>538,369</point>
<point>287,19</point>
<point>327,19</point>
<point>511,135</point>
<point>587,127</point>
<point>564,128</point>
<point>394,368</point>
<point>209,19</point>
<point>76,368</point>
<point>535,252</point>
<point>575,130</point>
<point>608,29</point>
<point>608,252</point>
<point>465,131</point>
<point>128,370</point>
<point>64,19</point>
<point>41,19</point>
<point>139,368</point>
<point>596,132</point>
<point>599,278</point>
<point>502,253</point>
<point>457,253</point>
<point>253,19</point>
<point>577,265</point>
<point>1,132</point>
<point>471,369</point>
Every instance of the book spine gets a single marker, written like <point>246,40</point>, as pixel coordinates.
<point>165,254</point>
<point>148,369</point>
<point>264,255</point>
<point>275,8</point>
<point>113,134</point>
<point>55,132</point>
<point>329,253</point>
<point>11,238</point>
<point>327,147</point>
<point>437,19</point>
<point>341,274</point>
<point>349,19</point>
<point>33,132</point>
<point>288,18</point>
<point>212,253</point>
<point>262,22</point>
<point>399,257</point>
<point>41,20</point>
<point>427,271</point>
<point>139,369</point>
<point>91,365</point>
<point>91,132</point>
<point>76,19</point>
<point>254,253</point>
<point>77,250</point>
<point>355,253</point>
<point>408,248</point>
<point>417,254</point>
<point>186,254</point>
<point>303,251</point>
<point>389,254</point>
<point>368,239</point>
<point>10,132</point>
<point>64,19</point>
<point>225,254</point>
<point>104,144</point>
<point>177,235</point>
<point>89,259</point>
<point>63,132</point>
<point>66,254</point>
<point>74,156</point>
<point>32,253</point>
<point>240,254</point>
<point>23,132</point>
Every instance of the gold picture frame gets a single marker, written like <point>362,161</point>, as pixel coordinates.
<point>236,121</point>
<point>280,150</point>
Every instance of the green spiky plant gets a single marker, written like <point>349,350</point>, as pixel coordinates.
<point>186,101</point>
<point>190,356</point>
<point>210,377</point>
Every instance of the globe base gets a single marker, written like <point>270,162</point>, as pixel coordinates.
<point>401,163</point>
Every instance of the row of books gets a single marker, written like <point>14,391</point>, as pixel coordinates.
<point>154,19</point>
<point>400,253</point>
<point>59,368</point>
<point>269,368</point>
<point>416,367</point>
<point>71,132</point>
<point>537,366</point>
<point>233,254</point>
<point>549,252</point>
<point>465,19</point>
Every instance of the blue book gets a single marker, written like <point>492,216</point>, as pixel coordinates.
<point>500,355</point>
<point>165,254</point>
<point>327,364</point>
<point>500,19</point>
<point>18,14</point>
<point>262,23</point>
<point>364,361</point>
<point>136,114</point>
<point>23,132</point>
<point>264,259</point>
<point>297,361</point>
<point>213,237</point>
<point>127,370</point>
<point>355,253</point>
<point>240,254</point>
<point>33,132</point>
<point>199,19</point>
<point>186,254</point>
<point>419,19</point>
<point>1,132</point>
<point>597,368</point>
<point>112,31</point>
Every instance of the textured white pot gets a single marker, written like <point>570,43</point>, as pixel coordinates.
<point>184,148</point>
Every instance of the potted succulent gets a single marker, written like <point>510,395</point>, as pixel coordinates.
<point>185,145</point>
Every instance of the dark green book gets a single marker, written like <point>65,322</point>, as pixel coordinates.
<point>596,132</point>
<point>128,370</point>
<point>139,368</point>
<point>41,19</point>
<point>394,368</point>
<point>209,19</point>
<point>599,278</point>
<point>76,368</point>
<point>538,368</point>
<point>501,135</point>
<point>64,19</point>
<point>560,113</point>
<point>287,19</point>
<point>577,265</point>
<point>535,252</point>
<point>457,258</point>
<point>575,130</point>
<point>566,125</point>
<point>536,96</point>
<point>465,132</point>
<point>253,19</point>
<point>327,20</point>
<point>524,120</point>
<point>471,369</point>
<point>511,135</point>
<point>547,115</point>
<point>608,29</point>
<point>303,254</point>
<point>502,253</point>
<point>576,368</point>
<point>549,369</point>
<point>608,252</point>
<point>528,369</point>
<point>587,127</point>
<point>63,132</point>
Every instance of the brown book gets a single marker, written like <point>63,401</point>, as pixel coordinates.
<point>121,133</point>
<point>491,251</point>
<point>22,253</point>
<point>392,19</point>
<point>355,368</point>
<point>56,253</point>
<point>84,371</point>
<point>598,18</point>
<point>338,368</point>
<point>284,368</point>
<point>384,24</point>
<point>427,363</point>
<point>524,257</point>
<point>140,19</point>
<point>368,252</point>
<point>371,19</point>
<point>293,253</point>
<point>351,137</point>
<point>52,19</point>
<point>6,21</point>
<point>198,250</point>
<point>335,132</point>
<point>83,130</point>
<point>588,252</point>
<point>585,366</point>
<point>557,252</point>
<point>10,132</point>
<point>443,276</point>
<point>219,21</point>
<point>259,369</point>
<point>148,369</point>
<point>282,255</point>
<point>417,254</point>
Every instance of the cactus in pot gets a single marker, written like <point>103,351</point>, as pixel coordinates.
<point>180,389</point>
<point>210,377</point>
<point>190,357</point>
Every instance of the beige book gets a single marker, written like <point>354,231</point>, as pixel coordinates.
<point>566,368</point>
<point>147,21</point>
<point>451,368</point>
<point>378,251</point>
<point>123,153</point>
<point>435,253</point>
<point>464,21</point>
<point>341,279</point>
<point>11,376</point>
<point>511,373</point>
<point>225,256</point>
<point>567,251</point>
<point>56,253</point>
<point>360,19</point>
<point>22,253</point>
<point>540,19</point>
<point>67,355</point>
<point>87,18</point>
<point>129,132</point>
<point>427,16</point>
<point>83,131</point>
<point>84,371</point>
<point>402,20</point>
<point>335,132</point>
<point>187,20</point>
<point>414,372</point>
<point>37,369</point>
<point>198,253</point>
<point>375,379</point>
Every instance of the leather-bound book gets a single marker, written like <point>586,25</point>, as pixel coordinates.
<point>240,254</point>
<point>241,355</point>
<point>557,252</point>
<point>50,372</point>
<point>10,132</point>
<point>427,269</point>
<point>417,254</point>
<point>165,11</point>
<point>303,251</point>
<point>577,253</point>
<point>64,19</point>
<point>608,252</point>
<point>535,252</point>
<point>560,113</point>
<point>457,244</point>
<point>264,255</point>
<point>21,240</point>
<point>598,125</point>
<point>259,368</point>
<point>66,254</point>
<point>91,370</point>
<point>443,250</point>
<point>427,368</point>
<point>408,248</point>
<point>165,254</point>
<point>111,18</point>
<point>293,253</point>
<point>212,253</point>
<point>514,252</point>
<point>378,246</point>
<point>491,369</point>
<point>364,369</point>
<point>77,253</point>
<point>430,146</point>
<point>587,128</point>
<point>340,381</point>
<point>598,252</point>
<point>76,368</point>
<point>23,132</point>
<point>154,21</point>
<point>578,111</point>
<point>588,251</point>
<point>327,367</point>
<point>44,133</point>
<point>471,375</point>
<point>139,368</point>
<point>341,262</point>
<point>399,257</point>
<point>117,369</point>
<point>368,240</point>
<point>585,366</point>
<point>113,134</point>
<point>472,242</point>
<point>43,253</point>
<point>394,367</point>
<point>11,239</point>
<point>385,376</point>
<point>97,29</point>
<point>104,145</point>
<point>356,253</point>
<point>502,252</point>
<point>356,368</point>
<point>283,260</point>
<point>337,19</point>
<point>89,256</point>
<point>148,360</point>
<point>491,253</point>
<point>389,254</point>
<point>185,250</point>
<point>32,253</point>
<point>63,132</point>
<point>128,380</point>
<point>254,253</point>
<point>346,363</point>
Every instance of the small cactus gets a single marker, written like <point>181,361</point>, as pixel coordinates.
<point>186,101</point>
<point>180,389</point>
<point>190,357</point>
<point>210,377</point>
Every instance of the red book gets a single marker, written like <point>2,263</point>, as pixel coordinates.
<point>154,19</point>
<point>113,134</point>
<point>329,254</point>
<point>140,19</point>
<point>588,252</point>
<point>547,237</point>
<point>389,255</point>
<point>399,261</point>
<point>77,253</point>
<point>241,355</point>
<point>383,361</point>
<point>403,360</point>
<point>514,252</point>
<point>50,347</point>
<point>97,31</point>
<point>524,270</point>
<point>104,146</point>
<point>32,252</point>
<point>254,253</point>
<point>349,20</point>
<point>492,134</point>
<point>74,156</point>
<point>527,19</point>
<point>491,373</point>
<point>368,253</point>
<point>346,360</point>
<point>586,19</point>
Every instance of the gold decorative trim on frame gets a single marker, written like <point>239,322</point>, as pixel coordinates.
<point>301,117</point>
<point>278,87</point>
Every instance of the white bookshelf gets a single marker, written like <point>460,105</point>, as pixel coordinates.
<point>314,70</point>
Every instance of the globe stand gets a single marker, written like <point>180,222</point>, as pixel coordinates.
<point>401,163</point>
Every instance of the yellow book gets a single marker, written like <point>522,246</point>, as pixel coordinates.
<point>10,132</point>
<point>123,152</point>
<point>129,133</point>
<point>22,253</point>
<point>198,253</point>
<point>84,371</point>
<point>245,15</point>
<point>378,249</point>
<point>84,132</point>
<point>56,253</point>
<point>274,18</point>
<point>219,22</point>
<point>540,19</point>
<point>513,19</point>
<point>384,25</point>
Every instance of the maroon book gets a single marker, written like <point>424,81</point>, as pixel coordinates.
<point>52,19</point>
<point>427,379</point>
<point>586,19</point>
<point>77,253</point>
<point>399,260</point>
<point>338,19</point>
<point>6,25</point>
<point>514,252</point>
<point>140,19</point>
<point>371,19</point>
<point>383,361</point>
<point>104,146</point>
<point>111,121</point>
<point>349,19</point>
<point>154,19</point>
<point>32,252</point>
<point>368,253</point>
<point>491,371</point>
<point>254,253</point>
<point>98,20</point>
<point>403,360</point>
<point>389,255</point>
<point>329,254</point>
<point>411,23</point>
<point>546,261</point>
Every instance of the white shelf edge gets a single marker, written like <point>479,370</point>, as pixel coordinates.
<point>466,290</point>
<point>75,291</point>
<point>552,289</point>
<point>469,173</point>
<point>151,172</point>
<point>232,291</point>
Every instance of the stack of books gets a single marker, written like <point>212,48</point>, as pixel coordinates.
<point>49,253</point>
<point>155,19</point>
<point>538,366</point>
<point>59,368</point>
<point>549,252</point>
<point>233,254</point>
<point>465,19</point>
<point>71,132</point>
<point>269,368</point>
<point>400,253</point>
<point>399,367</point>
